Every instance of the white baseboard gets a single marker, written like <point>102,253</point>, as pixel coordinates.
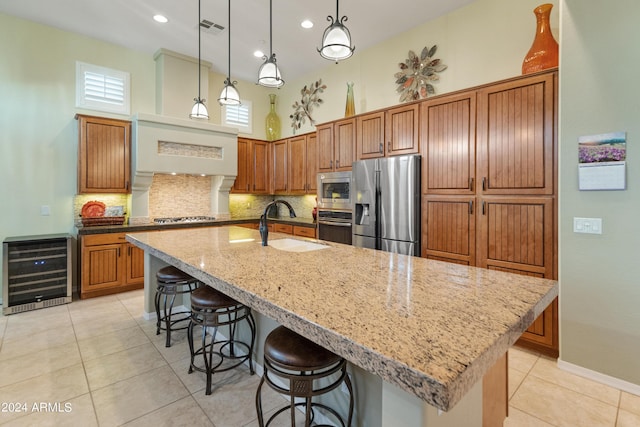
<point>599,377</point>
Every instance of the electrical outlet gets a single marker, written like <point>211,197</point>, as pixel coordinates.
<point>587,225</point>
<point>45,210</point>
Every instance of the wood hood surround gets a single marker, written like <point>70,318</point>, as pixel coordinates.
<point>169,142</point>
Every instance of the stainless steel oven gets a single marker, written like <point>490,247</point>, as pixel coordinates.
<point>334,225</point>
<point>334,190</point>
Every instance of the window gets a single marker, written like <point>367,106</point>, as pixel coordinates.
<point>238,116</point>
<point>102,89</point>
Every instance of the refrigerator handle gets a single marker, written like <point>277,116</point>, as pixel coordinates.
<point>378,210</point>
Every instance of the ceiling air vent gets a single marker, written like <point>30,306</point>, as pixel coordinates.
<point>209,27</point>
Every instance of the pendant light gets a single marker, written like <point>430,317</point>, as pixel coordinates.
<point>336,40</point>
<point>199,110</point>
<point>269,74</point>
<point>229,94</point>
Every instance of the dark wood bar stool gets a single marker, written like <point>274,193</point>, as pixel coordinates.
<point>171,282</point>
<point>213,309</point>
<point>307,369</point>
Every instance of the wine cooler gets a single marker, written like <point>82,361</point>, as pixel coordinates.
<point>37,272</point>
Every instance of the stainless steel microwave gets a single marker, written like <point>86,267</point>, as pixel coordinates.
<point>334,190</point>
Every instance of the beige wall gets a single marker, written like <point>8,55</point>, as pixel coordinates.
<point>600,274</point>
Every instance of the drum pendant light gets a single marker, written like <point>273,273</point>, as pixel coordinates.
<point>199,110</point>
<point>229,94</point>
<point>269,74</point>
<point>336,40</point>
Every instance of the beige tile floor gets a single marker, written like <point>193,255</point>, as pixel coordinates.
<point>97,362</point>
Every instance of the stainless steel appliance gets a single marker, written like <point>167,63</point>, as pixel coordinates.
<point>386,204</point>
<point>334,225</point>
<point>334,190</point>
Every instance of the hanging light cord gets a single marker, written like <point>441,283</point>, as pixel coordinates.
<point>199,66</point>
<point>229,34</point>
<point>270,28</point>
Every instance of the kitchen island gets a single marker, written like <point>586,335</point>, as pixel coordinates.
<point>430,330</point>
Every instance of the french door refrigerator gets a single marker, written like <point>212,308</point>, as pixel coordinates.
<point>386,204</point>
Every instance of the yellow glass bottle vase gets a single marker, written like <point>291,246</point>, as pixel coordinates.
<point>272,121</point>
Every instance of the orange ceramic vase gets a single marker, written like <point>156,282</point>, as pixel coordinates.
<point>544,50</point>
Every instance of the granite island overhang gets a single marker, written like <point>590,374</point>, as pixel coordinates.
<point>431,328</point>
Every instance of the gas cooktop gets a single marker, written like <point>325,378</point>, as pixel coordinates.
<point>181,219</point>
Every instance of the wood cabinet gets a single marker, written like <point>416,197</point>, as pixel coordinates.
<point>336,145</point>
<point>253,167</point>
<point>402,126</point>
<point>388,133</point>
<point>302,156</point>
<point>104,155</point>
<point>280,167</point>
<point>296,230</point>
<point>109,264</point>
<point>488,184</point>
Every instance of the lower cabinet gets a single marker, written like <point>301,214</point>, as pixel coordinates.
<point>109,264</point>
<point>296,230</point>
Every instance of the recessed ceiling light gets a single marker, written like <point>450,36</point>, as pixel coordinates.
<point>160,18</point>
<point>306,24</point>
<point>258,54</point>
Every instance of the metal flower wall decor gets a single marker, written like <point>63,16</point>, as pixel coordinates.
<point>416,73</point>
<point>310,98</point>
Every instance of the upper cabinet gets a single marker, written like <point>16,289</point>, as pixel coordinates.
<point>336,145</point>
<point>280,166</point>
<point>516,135</point>
<point>448,138</point>
<point>104,155</point>
<point>302,164</point>
<point>388,133</point>
<point>253,167</point>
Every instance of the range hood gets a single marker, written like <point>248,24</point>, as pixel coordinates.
<point>164,144</point>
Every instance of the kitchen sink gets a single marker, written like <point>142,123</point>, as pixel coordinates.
<point>293,245</point>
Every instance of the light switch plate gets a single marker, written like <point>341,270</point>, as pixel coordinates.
<point>587,225</point>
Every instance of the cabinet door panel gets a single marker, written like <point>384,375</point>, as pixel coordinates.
<point>135,265</point>
<point>449,224</point>
<point>370,135</point>
<point>345,144</point>
<point>280,166</point>
<point>324,135</point>
<point>516,133</point>
<point>101,267</point>
<point>260,166</point>
<point>517,234</point>
<point>402,127</point>
<point>448,145</point>
<point>312,163</point>
<point>104,155</point>
<point>297,164</point>
<point>241,184</point>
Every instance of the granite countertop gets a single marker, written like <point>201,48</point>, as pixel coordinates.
<point>431,328</point>
<point>306,222</point>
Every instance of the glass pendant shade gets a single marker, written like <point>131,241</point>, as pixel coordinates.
<point>336,43</point>
<point>336,40</point>
<point>199,110</point>
<point>269,74</point>
<point>229,94</point>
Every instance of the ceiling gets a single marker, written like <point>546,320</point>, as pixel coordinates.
<point>129,23</point>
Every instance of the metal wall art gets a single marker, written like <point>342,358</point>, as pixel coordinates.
<point>310,98</point>
<point>416,73</point>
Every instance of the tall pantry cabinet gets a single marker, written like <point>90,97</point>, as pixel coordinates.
<point>489,186</point>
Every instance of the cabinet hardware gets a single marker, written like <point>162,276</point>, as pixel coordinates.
<point>381,148</point>
<point>483,208</point>
<point>118,252</point>
<point>337,163</point>
<point>128,250</point>
<point>484,183</point>
<point>470,207</point>
<point>331,164</point>
<point>127,185</point>
<point>388,146</point>
<point>470,184</point>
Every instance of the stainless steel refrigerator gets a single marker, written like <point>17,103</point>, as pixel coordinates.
<point>386,204</point>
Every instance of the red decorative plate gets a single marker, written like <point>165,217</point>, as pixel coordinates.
<point>93,209</point>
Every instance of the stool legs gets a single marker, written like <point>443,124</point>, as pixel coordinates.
<point>165,297</point>
<point>214,318</point>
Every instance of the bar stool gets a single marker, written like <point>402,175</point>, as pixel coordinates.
<point>210,308</point>
<point>307,369</point>
<point>171,282</point>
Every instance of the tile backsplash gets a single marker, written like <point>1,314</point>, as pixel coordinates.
<point>249,205</point>
<point>109,200</point>
<point>179,195</point>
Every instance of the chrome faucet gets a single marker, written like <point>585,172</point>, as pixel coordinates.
<point>264,230</point>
